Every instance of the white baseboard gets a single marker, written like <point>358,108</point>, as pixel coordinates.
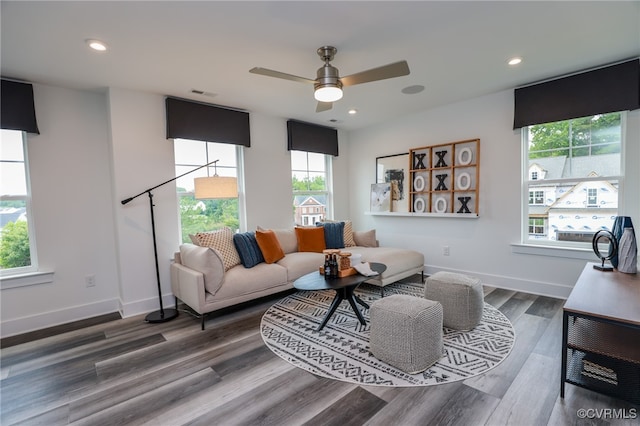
<point>146,305</point>
<point>511,283</point>
<point>49,319</point>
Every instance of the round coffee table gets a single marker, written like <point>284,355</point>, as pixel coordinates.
<point>343,287</point>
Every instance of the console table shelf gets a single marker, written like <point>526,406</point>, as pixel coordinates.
<point>601,334</point>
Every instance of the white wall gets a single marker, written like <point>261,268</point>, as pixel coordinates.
<point>479,246</point>
<point>72,213</point>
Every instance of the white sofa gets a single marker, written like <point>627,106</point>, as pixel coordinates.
<point>198,276</point>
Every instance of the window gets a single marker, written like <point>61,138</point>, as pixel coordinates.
<point>577,194</point>
<point>207,214</point>
<point>592,197</point>
<point>536,197</point>
<point>534,175</point>
<point>17,241</point>
<point>537,227</point>
<point>311,182</point>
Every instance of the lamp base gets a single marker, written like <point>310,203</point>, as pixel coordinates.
<point>158,316</point>
<point>603,268</point>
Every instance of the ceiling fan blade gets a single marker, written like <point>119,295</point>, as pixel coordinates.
<point>397,69</point>
<point>278,74</point>
<point>324,106</point>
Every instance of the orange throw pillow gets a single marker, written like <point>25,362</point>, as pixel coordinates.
<point>269,245</point>
<point>310,239</point>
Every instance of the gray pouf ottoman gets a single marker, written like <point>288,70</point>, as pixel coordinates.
<point>406,332</point>
<point>461,297</point>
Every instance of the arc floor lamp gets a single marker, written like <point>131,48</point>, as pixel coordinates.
<point>205,188</point>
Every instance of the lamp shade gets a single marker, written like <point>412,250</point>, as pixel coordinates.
<point>215,187</point>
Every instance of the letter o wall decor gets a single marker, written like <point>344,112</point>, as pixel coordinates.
<point>444,178</point>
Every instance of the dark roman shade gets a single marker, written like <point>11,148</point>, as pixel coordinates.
<point>17,109</point>
<point>205,122</point>
<point>608,89</point>
<point>309,137</point>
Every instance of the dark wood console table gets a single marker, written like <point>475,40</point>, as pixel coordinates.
<point>601,334</point>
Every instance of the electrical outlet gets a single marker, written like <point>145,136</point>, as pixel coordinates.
<point>90,280</point>
<point>445,250</point>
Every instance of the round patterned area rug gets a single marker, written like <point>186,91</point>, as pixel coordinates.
<point>341,349</point>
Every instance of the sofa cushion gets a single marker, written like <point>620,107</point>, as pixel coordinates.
<point>287,239</point>
<point>221,240</point>
<point>310,238</point>
<point>365,238</point>
<point>248,249</point>
<point>240,281</point>
<point>205,260</point>
<point>301,263</point>
<point>397,260</point>
<point>269,245</point>
<point>333,234</point>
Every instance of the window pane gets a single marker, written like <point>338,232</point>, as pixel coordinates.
<point>210,214</point>
<point>310,192</point>
<point>13,180</point>
<point>573,154</point>
<point>15,243</point>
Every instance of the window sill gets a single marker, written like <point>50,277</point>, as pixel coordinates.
<point>27,279</point>
<point>540,250</point>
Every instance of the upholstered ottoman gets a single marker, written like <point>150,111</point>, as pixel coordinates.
<point>461,297</point>
<point>406,332</point>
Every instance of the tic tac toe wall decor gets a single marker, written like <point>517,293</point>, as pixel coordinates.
<point>445,178</point>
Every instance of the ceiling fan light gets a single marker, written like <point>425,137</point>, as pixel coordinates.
<point>328,94</point>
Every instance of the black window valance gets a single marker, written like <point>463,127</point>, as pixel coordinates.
<point>308,137</point>
<point>205,122</point>
<point>17,107</point>
<point>607,89</point>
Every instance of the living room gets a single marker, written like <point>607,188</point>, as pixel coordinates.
<point>105,145</point>
<point>102,138</point>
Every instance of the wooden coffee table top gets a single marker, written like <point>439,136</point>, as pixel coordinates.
<point>316,281</point>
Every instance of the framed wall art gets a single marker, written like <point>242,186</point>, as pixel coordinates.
<point>445,178</point>
<point>394,170</point>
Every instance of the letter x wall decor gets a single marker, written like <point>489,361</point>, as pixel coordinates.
<point>445,178</point>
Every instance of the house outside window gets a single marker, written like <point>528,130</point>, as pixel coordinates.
<point>582,172</point>
<point>311,180</point>
<point>207,214</point>
<point>17,236</point>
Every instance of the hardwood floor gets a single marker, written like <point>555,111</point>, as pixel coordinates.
<point>124,371</point>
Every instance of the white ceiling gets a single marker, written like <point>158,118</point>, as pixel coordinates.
<point>457,50</point>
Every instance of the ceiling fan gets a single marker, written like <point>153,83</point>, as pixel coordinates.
<point>328,83</point>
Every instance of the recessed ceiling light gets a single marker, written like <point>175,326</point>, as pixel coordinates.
<point>97,45</point>
<point>353,111</point>
<point>412,90</point>
<point>514,61</point>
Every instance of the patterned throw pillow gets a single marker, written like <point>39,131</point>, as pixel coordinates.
<point>348,234</point>
<point>333,234</point>
<point>222,241</point>
<point>248,249</point>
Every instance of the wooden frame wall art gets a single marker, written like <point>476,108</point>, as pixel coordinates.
<point>445,178</point>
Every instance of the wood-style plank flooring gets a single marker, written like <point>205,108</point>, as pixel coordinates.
<point>111,371</point>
